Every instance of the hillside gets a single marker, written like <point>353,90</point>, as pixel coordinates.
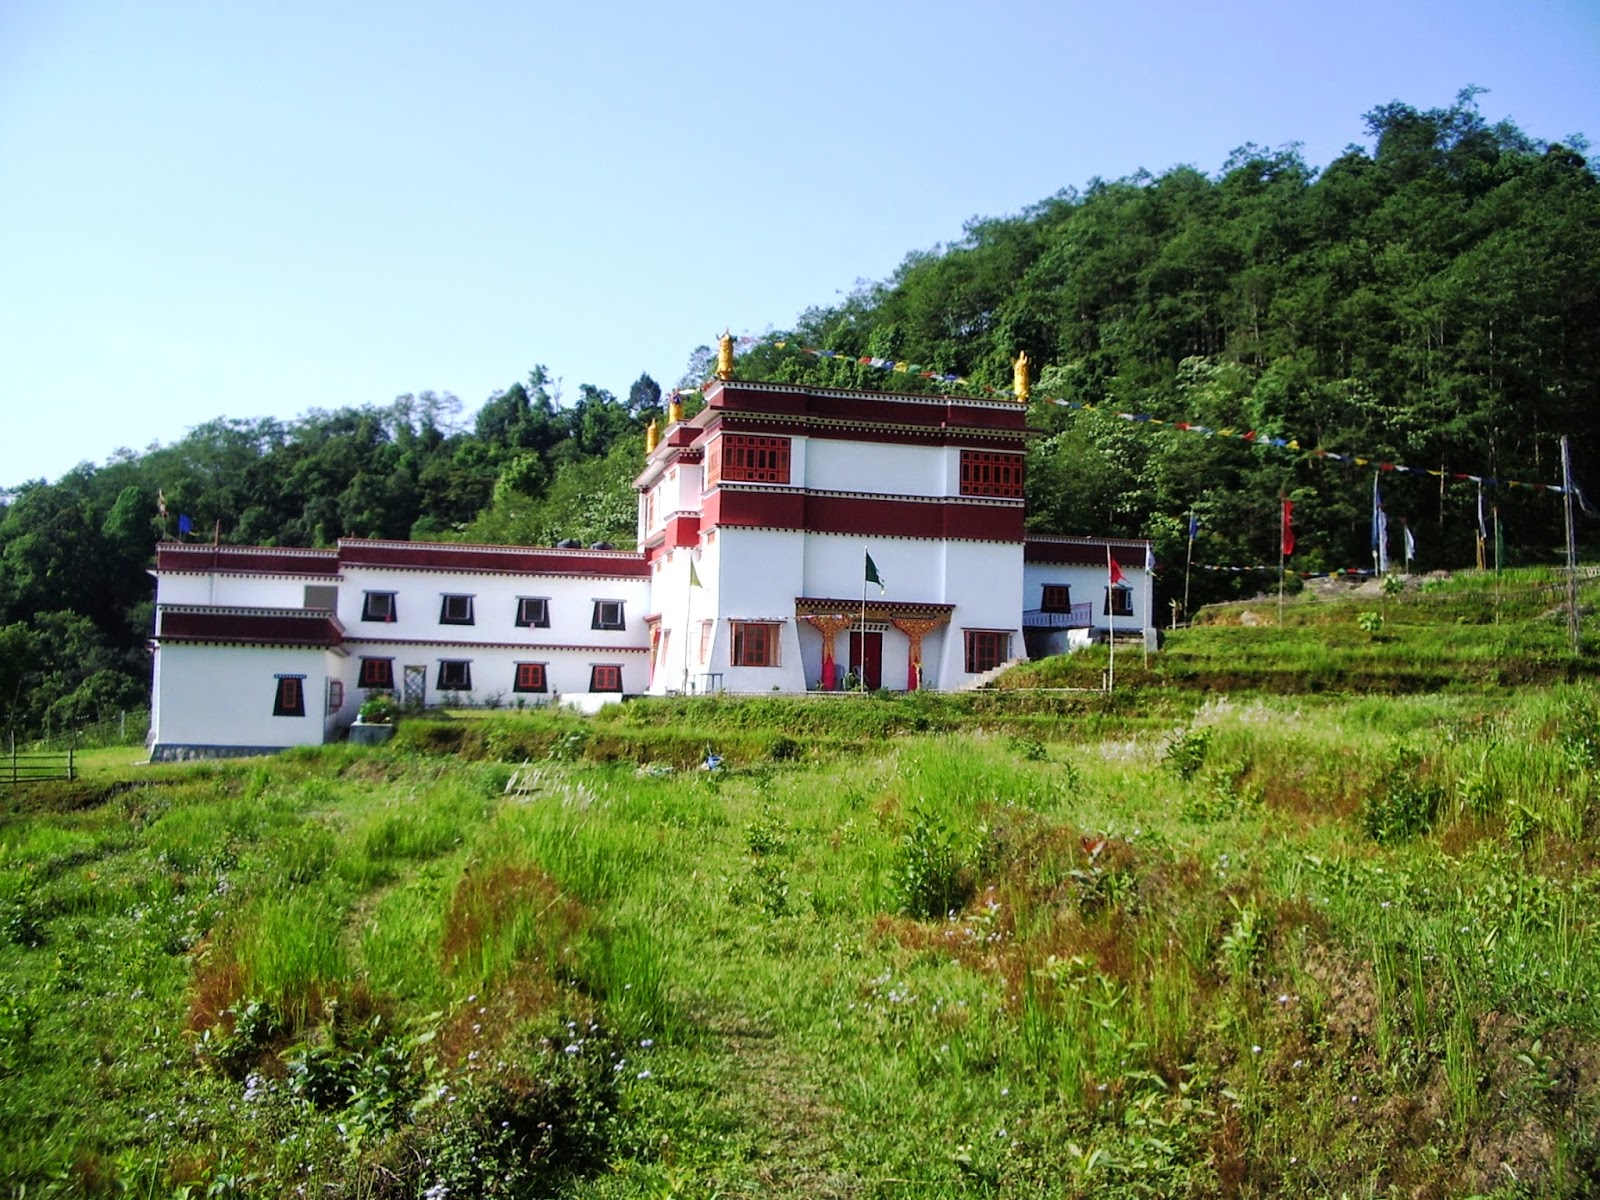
<point>1428,301</point>
<point>1169,941</point>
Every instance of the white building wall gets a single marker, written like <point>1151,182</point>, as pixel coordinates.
<point>1088,584</point>
<point>221,697</point>
<point>832,465</point>
<point>239,591</point>
<point>766,571</point>
<point>984,582</point>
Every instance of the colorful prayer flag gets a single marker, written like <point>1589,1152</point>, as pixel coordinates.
<point>1288,527</point>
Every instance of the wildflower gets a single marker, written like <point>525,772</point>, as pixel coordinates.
<point>574,1048</point>
<point>648,1042</point>
<point>1255,1049</point>
<point>645,1074</point>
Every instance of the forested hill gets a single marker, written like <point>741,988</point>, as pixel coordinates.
<point>1431,298</point>
<point>1432,301</point>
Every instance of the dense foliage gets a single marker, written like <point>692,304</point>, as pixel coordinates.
<point>1433,300</point>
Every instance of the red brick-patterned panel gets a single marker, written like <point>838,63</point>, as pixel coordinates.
<point>249,560</point>
<point>861,515</point>
<point>987,474</point>
<point>256,628</point>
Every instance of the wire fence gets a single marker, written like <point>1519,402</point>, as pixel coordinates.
<point>127,727</point>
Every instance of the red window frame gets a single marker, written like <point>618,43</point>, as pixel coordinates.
<point>985,649</point>
<point>290,698</point>
<point>335,695</point>
<point>530,677</point>
<point>605,679</point>
<point>984,473</point>
<point>376,673</point>
<point>748,458</point>
<point>753,644</point>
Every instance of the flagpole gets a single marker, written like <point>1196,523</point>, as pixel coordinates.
<point>1283,521</point>
<point>688,605</point>
<point>1188,558</point>
<point>861,637</point>
<point>1111,630</point>
<point>1572,545</point>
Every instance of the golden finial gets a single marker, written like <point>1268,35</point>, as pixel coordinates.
<point>674,409</point>
<point>725,356</point>
<point>651,436</point>
<point>1020,386</point>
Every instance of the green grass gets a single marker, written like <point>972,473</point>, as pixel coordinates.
<point>1023,944</point>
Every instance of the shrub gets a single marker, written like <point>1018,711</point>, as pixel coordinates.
<point>1403,806</point>
<point>1186,753</point>
<point>933,878</point>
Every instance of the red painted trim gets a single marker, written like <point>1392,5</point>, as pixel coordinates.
<point>281,627</point>
<point>505,560</point>
<point>1084,552</point>
<point>887,408</point>
<point>587,647</point>
<point>246,560</point>
<point>683,530</point>
<point>827,512</point>
<point>901,435</point>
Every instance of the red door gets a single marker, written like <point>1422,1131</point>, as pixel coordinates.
<point>869,667</point>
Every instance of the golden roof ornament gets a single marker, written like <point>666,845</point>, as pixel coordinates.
<point>652,436</point>
<point>1020,387</point>
<point>674,409</point>
<point>725,356</point>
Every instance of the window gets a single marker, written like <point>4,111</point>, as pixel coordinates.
<point>335,695</point>
<point>986,474</point>
<point>1119,602</point>
<point>291,698</point>
<point>456,610</point>
<point>1057,598</point>
<point>707,629</point>
<point>986,649</point>
<point>321,596</point>
<point>530,678</point>
<point>755,644</point>
<point>378,606</point>
<point>533,612</point>
<point>608,615</point>
<point>376,673</point>
<point>748,458</point>
<point>455,675</point>
<point>605,679</point>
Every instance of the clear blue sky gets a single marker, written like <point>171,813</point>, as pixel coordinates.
<point>213,208</point>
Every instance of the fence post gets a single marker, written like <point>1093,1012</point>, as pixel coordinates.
<point>72,751</point>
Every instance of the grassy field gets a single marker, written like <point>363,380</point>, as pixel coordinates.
<point>1170,942</point>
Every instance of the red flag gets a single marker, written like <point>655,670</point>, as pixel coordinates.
<point>1111,566</point>
<point>1288,527</point>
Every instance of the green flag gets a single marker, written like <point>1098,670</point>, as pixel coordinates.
<point>872,573</point>
<point>694,576</point>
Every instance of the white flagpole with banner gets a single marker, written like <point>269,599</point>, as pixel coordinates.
<point>1113,577</point>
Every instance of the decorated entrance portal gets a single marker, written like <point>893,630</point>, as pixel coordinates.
<point>866,624</point>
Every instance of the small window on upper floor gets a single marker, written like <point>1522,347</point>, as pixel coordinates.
<point>455,610</point>
<point>1057,598</point>
<point>378,606</point>
<point>533,612</point>
<point>608,615</point>
<point>322,597</point>
<point>290,700</point>
<point>985,473</point>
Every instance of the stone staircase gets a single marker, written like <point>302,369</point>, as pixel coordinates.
<point>978,682</point>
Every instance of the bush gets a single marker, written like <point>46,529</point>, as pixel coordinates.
<point>933,878</point>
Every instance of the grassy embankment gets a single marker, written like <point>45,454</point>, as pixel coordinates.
<point>1160,943</point>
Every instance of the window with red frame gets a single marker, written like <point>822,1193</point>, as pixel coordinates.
<point>748,458</point>
<point>290,700</point>
<point>335,695</point>
<point>755,644</point>
<point>986,649</point>
<point>376,673</point>
<point>530,678</point>
<point>1057,598</point>
<point>986,474</point>
<point>605,679</point>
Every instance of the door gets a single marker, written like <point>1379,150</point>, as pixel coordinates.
<point>416,686</point>
<point>868,667</point>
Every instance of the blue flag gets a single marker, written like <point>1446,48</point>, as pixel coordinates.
<point>185,525</point>
<point>1194,526</point>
